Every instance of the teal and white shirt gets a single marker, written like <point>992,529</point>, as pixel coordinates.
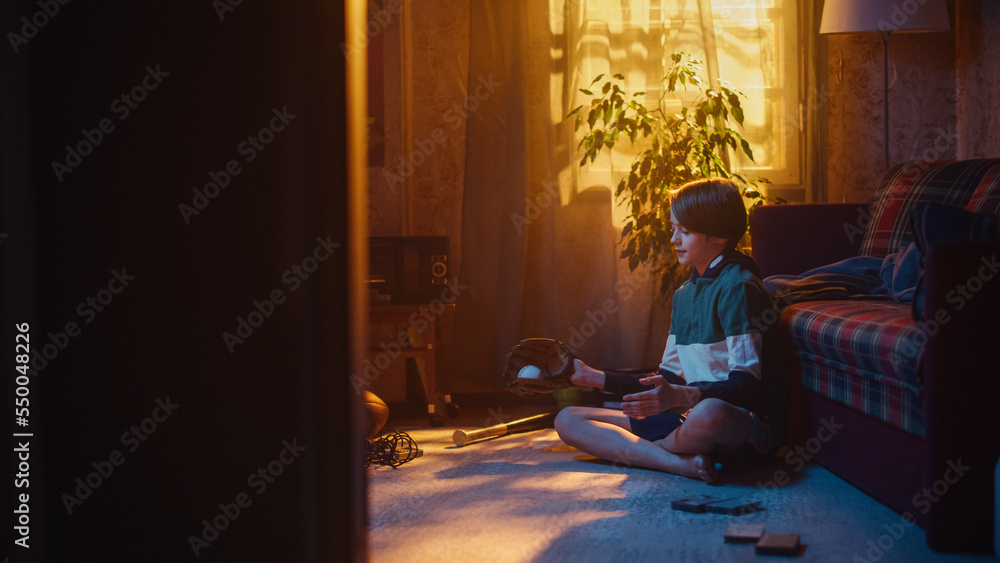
<point>714,343</point>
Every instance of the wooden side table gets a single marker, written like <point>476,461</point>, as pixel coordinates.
<point>424,319</point>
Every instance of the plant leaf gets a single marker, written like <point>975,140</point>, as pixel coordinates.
<point>627,230</point>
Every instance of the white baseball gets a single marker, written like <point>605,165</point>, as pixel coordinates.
<point>529,372</point>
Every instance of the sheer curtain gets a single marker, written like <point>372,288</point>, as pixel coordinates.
<point>539,233</point>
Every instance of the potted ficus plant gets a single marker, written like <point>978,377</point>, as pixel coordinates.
<point>679,147</point>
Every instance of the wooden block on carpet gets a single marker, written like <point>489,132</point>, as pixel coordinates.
<point>693,504</point>
<point>778,544</point>
<point>744,533</point>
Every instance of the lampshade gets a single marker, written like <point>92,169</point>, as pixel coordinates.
<point>850,16</point>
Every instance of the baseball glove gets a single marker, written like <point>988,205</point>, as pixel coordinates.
<point>553,359</point>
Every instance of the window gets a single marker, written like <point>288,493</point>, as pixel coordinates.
<point>751,44</point>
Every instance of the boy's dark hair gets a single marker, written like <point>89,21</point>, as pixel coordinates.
<point>711,206</point>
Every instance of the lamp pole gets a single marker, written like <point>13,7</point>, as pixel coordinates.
<point>885,89</point>
<point>855,16</point>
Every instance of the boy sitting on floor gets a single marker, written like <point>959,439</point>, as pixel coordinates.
<point>705,402</point>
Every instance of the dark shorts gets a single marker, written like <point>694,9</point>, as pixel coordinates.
<point>660,426</point>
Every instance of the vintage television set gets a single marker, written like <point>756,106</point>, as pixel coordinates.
<point>407,270</point>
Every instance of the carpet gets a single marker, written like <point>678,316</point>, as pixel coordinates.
<point>529,497</point>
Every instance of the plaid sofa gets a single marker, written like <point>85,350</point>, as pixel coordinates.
<point>914,398</point>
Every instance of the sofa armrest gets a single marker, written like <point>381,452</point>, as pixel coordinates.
<point>961,286</point>
<point>792,238</point>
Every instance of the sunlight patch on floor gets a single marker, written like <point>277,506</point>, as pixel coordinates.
<point>581,483</point>
<point>509,537</point>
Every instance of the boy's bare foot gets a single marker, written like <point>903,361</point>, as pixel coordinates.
<point>699,466</point>
<point>705,468</point>
<point>586,376</point>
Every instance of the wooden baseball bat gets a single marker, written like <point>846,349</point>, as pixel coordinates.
<point>463,437</point>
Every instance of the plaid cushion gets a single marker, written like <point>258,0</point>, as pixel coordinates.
<point>879,397</point>
<point>986,198</point>
<point>878,338</point>
<point>861,353</point>
<point>974,184</point>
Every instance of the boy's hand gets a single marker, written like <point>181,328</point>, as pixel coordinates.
<point>663,398</point>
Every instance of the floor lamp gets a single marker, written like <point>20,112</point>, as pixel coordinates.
<point>887,17</point>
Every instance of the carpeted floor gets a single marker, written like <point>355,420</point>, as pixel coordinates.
<point>529,497</point>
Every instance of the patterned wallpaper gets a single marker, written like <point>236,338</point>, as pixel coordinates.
<point>385,205</point>
<point>419,192</point>
<point>922,107</point>
<point>978,63</point>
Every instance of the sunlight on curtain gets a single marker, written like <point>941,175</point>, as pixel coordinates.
<point>757,52</point>
<point>749,43</point>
